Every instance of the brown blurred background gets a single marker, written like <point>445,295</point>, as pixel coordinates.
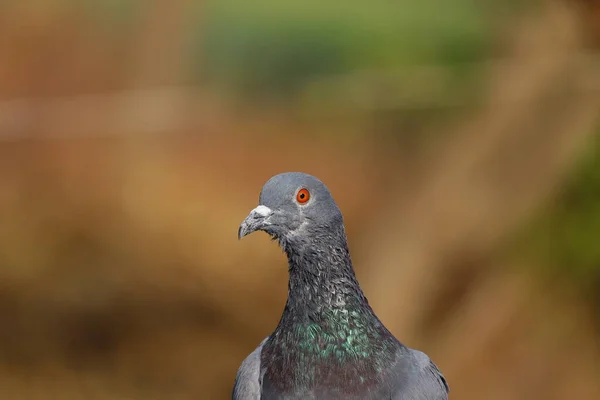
<point>460,139</point>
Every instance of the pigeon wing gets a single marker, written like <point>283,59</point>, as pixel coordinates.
<point>420,379</point>
<point>248,380</point>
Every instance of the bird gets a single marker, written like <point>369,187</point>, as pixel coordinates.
<point>329,343</point>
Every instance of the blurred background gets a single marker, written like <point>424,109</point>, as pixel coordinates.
<point>461,140</point>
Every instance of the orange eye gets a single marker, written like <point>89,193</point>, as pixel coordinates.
<point>303,196</point>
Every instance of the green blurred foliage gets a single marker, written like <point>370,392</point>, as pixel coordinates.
<point>566,237</point>
<point>274,47</point>
<point>112,11</point>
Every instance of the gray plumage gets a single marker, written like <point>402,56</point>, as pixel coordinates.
<point>247,386</point>
<point>329,344</point>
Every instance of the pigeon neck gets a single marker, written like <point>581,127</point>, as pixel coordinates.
<point>322,283</point>
<point>327,328</point>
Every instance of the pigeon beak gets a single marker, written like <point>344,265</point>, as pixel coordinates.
<point>256,220</point>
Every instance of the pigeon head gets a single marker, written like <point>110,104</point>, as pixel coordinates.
<point>293,205</point>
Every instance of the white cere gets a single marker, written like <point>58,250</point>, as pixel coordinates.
<point>262,210</point>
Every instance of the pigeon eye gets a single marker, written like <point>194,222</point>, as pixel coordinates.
<point>303,196</point>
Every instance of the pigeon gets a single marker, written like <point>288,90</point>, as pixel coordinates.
<point>329,344</point>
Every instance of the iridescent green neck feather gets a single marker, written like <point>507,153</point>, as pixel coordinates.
<point>328,333</point>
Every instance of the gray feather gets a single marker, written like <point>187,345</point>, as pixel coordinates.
<point>248,380</point>
<point>420,379</point>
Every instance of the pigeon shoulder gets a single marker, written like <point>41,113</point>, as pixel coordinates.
<point>422,378</point>
<point>247,384</point>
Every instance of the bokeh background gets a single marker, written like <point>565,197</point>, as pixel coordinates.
<point>460,138</point>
